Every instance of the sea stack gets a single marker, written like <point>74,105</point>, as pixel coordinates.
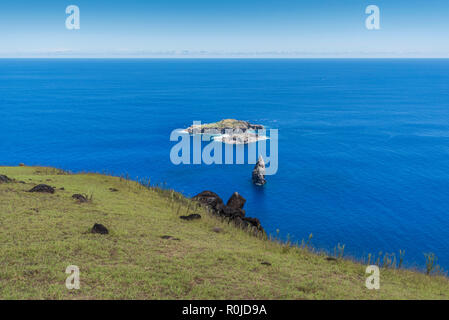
<point>259,173</point>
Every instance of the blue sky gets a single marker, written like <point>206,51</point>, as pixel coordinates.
<point>314,28</point>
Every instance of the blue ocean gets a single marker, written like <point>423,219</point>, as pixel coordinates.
<point>363,144</point>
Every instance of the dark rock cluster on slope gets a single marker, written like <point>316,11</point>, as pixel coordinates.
<point>4,179</point>
<point>259,173</point>
<point>43,188</point>
<point>233,210</point>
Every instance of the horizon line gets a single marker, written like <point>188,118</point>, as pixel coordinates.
<point>221,57</point>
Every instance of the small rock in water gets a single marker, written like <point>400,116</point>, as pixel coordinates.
<point>191,217</point>
<point>4,179</point>
<point>259,173</point>
<point>99,228</point>
<point>21,164</point>
<point>43,188</point>
<point>80,198</point>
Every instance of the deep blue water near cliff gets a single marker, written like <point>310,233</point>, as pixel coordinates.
<point>363,144</point>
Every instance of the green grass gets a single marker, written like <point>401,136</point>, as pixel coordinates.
<point>225,123</point>
<point>42,234</point>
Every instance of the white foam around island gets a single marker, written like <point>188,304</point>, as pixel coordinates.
<point>224,138</point>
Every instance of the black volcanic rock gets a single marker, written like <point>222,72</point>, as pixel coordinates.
<point>99,228</point>
<point>210,199</point>
<point>43,188</point>
<point>232,211</point>
<point>236,201</point>
<point>238,222</point>
<point>254,222</point>
<point>234,206</point>
<point>190,217</point>
<point>4,179</point>
<point>167,237</point>
<point>79,197</point>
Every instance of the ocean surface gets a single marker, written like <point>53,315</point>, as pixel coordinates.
<point>363,144</point>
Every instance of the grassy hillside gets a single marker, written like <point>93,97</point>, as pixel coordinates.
<point>41,234</point>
